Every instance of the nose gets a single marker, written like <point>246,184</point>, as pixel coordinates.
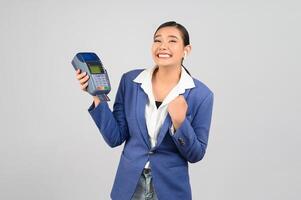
<point>163,46</point>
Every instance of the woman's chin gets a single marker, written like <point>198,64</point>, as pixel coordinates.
<point>162,62</point>
<point>165,64</point>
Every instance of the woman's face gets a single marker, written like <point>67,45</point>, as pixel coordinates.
<point>168,47</point>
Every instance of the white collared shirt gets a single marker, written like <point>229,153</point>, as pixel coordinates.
<point>155,116</point>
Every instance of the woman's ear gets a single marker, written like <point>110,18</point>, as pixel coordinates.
<point>187,50</point>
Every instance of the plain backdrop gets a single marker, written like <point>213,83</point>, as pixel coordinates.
<point>246,51</point>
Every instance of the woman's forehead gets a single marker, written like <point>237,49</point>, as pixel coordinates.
<point>168,31</point>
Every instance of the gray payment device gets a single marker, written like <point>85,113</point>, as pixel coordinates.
<point>99,83</point>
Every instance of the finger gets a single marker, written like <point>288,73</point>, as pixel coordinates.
<point>182,98</point>
<point>84,86</point>
<point>84,79</point>
<point>77,71</point>
<point>177,99</point>
<point>81,75</point>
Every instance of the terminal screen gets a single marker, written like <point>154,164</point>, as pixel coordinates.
<point>95,69</point>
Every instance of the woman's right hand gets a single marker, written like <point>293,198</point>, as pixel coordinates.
<point>83,78</point>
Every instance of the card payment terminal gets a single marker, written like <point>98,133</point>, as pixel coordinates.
<point>99,83</point>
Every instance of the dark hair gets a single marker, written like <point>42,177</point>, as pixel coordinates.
<point>184,33</point>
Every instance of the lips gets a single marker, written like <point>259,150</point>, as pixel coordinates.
<point>163,55</point>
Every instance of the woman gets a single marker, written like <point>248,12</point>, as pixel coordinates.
<point>163,115</point>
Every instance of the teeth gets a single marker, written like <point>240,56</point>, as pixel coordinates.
<point>163,56</point>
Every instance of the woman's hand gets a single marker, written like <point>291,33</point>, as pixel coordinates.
<point>83,78</point>
<point>177,109</point>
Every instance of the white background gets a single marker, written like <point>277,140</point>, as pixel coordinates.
<point>246,52</point>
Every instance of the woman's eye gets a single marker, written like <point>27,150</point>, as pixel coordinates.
<point>173,41</point>
<point>157,41</point>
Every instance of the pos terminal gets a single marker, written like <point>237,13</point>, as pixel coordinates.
<point>99,83</point>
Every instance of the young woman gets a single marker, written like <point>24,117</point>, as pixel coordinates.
<point>163,115</point>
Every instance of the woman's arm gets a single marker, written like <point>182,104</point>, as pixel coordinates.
<point>191,136</point>
<point>112,125</point>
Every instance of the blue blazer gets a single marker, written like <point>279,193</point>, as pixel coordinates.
<point>169,158</point>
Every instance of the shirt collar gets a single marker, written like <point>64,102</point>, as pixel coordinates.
<point>145,78</point>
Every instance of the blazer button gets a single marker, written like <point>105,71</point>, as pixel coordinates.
<point>181,141</point>
<point>151,152</point>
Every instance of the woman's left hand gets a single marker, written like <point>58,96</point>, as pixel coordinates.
<point>177,109</point>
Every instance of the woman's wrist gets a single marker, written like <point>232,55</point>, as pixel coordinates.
<point>96,100</point>
<point>177,123</point>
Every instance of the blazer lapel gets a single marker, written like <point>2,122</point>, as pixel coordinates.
<point>168,122</point>
<point>164,129</point>
<point>140,114</point>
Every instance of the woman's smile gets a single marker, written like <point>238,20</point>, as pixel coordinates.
<point>164,55</point>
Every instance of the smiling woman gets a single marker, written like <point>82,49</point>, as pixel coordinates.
<point>172,37</point>
<point>163,115</point>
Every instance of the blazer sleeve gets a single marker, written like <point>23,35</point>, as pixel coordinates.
<point>191,137</point>
<point>112,125</point>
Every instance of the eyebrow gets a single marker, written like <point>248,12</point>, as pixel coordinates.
<point>173,36</point>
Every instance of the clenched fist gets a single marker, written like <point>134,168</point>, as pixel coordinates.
<point>177,109</point>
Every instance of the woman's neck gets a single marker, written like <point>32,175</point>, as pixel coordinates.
<point>167,75</point>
